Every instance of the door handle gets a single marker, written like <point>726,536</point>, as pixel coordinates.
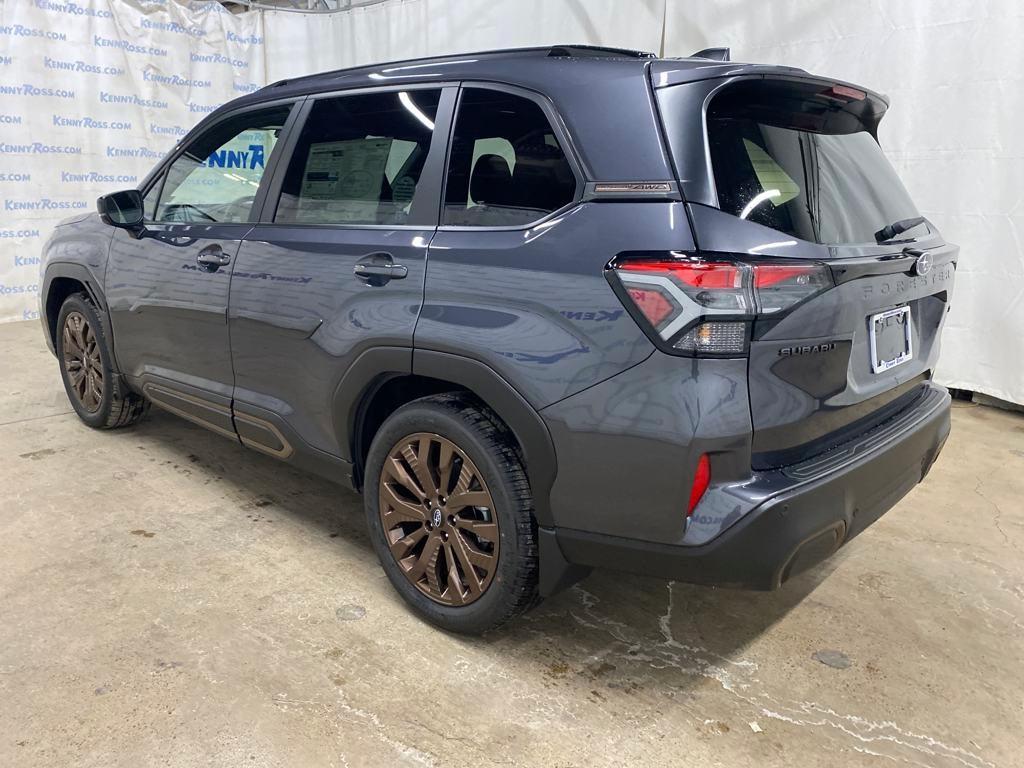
<point>391,271</point>
<point>379,268</point>
<point>212,257</point>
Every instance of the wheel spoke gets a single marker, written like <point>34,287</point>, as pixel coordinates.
<point>70,345</point>
<point>469,499</point>
<point>455,592</point>
<point>427,560</point>
<point>393,466</point>
<point>79,336</point>
<point>484,530</point>
<point>400,548</point>
<point>418,462</point>
<point>470,555</point>
<point>445,463</point>
<point>462,496</point>
<point>93,392</point>
<point>395,510</point>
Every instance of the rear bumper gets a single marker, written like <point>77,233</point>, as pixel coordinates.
<point>828,501</point>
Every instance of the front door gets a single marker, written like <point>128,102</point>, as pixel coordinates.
<point>337,263</point>
<point>168,288</point>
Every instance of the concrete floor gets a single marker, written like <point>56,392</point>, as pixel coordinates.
<point>168,598</point>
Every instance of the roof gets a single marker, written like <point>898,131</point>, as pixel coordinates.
<point>620,144</point>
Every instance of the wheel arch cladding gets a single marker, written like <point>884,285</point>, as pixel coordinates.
<point>60,281</point>
<point>373,388</point>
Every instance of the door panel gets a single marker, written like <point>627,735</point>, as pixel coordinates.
<point>169,313</point>
<point>300,316</point>
<point>168,287</point>
<point>337,264</point>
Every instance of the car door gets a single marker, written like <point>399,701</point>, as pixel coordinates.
<point>167,289</point>
<point>336,264</point>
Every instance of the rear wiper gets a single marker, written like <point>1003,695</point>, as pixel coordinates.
<point>890,231</point>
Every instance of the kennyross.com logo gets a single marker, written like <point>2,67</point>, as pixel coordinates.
<point>127,46</point>
<point>183,82</point>
<point>234,37</point>
<point>37,148</point>
<point>132,99</point>
<point>45,204</point>
<point>93,177</point>
<point>20,30</point>
<point>28,89</point>
<point>64,65</point>
<point>73,8</point>
<point>60,121</point>
<point>145,152</point>
<point>217,58</point>
<point>173,26</point>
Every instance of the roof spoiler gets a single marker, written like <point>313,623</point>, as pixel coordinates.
<point>715,54</point>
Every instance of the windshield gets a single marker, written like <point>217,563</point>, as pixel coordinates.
<point>800,159</point>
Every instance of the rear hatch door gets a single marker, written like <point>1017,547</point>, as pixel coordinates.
<point>795,172</point>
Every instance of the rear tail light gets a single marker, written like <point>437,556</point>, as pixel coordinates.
<point>701,480</point>
<point>698,305</point>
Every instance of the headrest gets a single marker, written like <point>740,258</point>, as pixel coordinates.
<point>491,182</point>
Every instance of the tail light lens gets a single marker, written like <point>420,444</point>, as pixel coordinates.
<point>695,305</point>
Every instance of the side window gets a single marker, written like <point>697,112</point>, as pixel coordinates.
<point>215,179</point>
<point>506,167</point>
<point>359,158</point>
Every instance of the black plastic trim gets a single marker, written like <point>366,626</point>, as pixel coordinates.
<point>525,423</point>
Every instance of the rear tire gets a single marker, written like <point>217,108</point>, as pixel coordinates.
<point>467,456</point>
<point>96,392</point>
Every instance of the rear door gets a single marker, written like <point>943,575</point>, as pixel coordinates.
<point>336,264</point>
<point>168,289</point>
<point>796,173</point>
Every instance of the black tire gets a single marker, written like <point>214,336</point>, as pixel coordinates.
<point>486,441</point>
<point>117,406</point>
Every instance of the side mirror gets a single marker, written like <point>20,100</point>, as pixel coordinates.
<point>121,209</point>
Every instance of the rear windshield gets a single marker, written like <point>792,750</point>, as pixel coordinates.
<point>802,159</point>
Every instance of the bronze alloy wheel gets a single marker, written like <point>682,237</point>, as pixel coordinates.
<point>439,519</point>
<point>82,363</point>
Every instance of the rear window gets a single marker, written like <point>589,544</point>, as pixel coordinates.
<point>802,158</point>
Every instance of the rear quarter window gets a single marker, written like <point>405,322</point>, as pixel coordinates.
<point>506,166</point>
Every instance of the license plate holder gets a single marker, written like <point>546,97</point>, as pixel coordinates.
<point>891,338</point>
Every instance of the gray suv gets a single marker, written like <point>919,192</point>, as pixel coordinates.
<point>547,309</point>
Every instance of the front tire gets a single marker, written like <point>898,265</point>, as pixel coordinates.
<point>86,364</point>
<point>450,514</point>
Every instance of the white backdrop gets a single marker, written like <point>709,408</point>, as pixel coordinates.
<point>92,92</point>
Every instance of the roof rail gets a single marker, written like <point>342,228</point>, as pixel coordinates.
<point>598,51</point>
<point>715,54</point>
<point>566,51</point>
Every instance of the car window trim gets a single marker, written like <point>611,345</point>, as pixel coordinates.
<point>431,176</point>
<point>565,143</point>
<point>159,174</point>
